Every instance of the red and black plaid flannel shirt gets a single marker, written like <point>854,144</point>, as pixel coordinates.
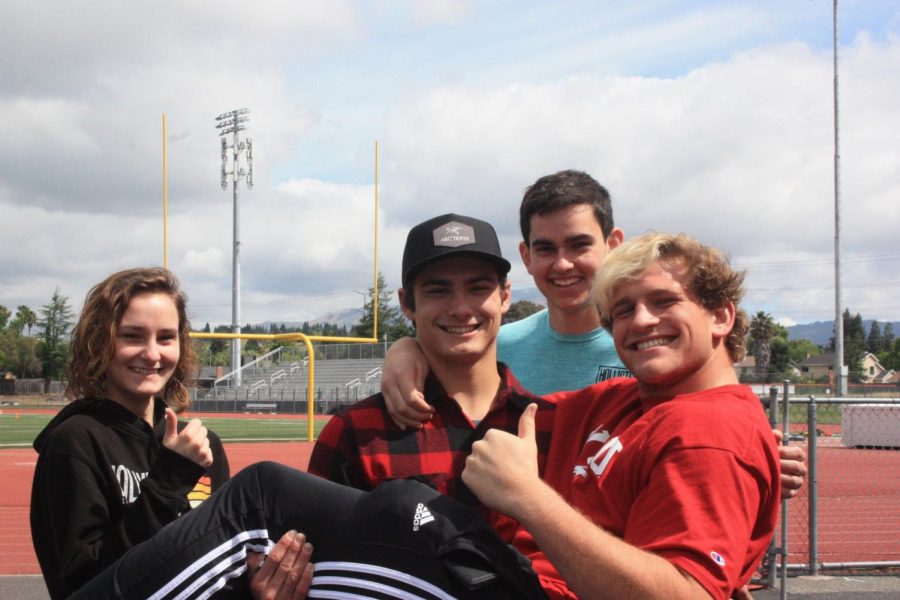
<point>362,446</point>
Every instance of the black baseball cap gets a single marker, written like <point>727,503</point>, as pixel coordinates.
<point>449,235</point>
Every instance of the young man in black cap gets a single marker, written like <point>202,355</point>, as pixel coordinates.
<point>455,292</point>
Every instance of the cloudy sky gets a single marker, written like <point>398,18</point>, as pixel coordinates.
<point>713,118</point>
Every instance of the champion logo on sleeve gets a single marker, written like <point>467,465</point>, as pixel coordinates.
<point>717,558</point>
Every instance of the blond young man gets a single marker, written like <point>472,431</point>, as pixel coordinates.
<point>662,486</point>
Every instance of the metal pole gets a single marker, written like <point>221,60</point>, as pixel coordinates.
<point>236,272</point>
<point>839,378</point>
<point>165,200</point>
<point>813,489</point>
<point>375,285</point>
<point>785,430</point>
<point>773,548</point>
<point>231,122</point>
<point>773,405</point>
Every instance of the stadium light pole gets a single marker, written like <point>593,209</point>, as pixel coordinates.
<point>840,374</point>
<point>165,198</point>
<point>231,123</point>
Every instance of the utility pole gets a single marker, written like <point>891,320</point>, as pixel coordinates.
<point>840,371</point>
<point>232,123</point>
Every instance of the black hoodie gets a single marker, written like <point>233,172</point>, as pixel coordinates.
<point>103,483</point>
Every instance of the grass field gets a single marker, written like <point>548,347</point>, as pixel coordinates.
<point>17,430</point>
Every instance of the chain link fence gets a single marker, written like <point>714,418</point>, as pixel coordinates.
<point>22,387</point>
<point>846,517</point>
<point>289,401</point>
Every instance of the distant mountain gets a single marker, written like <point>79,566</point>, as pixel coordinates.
<point>347,317</point>
<point>821,332</point>
<point>818,333</point>
<point>531,294</point>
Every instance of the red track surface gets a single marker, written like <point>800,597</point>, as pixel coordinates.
<point>859,502</point>
<point>17,469</point>
<point>859,507</point>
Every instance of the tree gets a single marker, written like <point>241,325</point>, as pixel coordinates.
<point>854,344</point>
<point>19,354</point>
<point>888,335</point>
<point>55,323</point>
<point>4,317</point>
<point>762,329</point>
<point>890,358</point>
<point>520,310</point>
<point>217,351</point>
<point>779,357</point>
<point>391,320</point>
<point>875,342</point>
<point>25,317</point>
<point>800,350</point>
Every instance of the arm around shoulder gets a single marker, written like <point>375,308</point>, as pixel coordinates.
<point>403,384</point>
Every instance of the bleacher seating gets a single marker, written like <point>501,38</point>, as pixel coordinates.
<point>337,383</point>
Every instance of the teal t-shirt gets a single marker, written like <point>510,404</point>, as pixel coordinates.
<point>546,361</point>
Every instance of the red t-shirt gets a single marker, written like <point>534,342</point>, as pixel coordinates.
<point>692,478</point>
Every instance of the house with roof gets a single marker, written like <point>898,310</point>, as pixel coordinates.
<point>887,376</point>
<point>872,371</point>
<point>747,366</point>
<point>817,367</point>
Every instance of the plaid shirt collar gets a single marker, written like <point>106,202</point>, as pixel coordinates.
<point>510,390</point>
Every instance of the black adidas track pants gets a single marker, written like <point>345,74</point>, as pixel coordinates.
<point>402,540</point>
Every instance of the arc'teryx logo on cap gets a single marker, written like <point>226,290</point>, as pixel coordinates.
<point>453,235</point>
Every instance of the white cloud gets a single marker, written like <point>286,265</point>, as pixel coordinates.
<point>738,153</point>
<point>38,124</point>
<point>717,122</point>
<point>206,262</point>
<point>439,11</point>
<point>87,127</point>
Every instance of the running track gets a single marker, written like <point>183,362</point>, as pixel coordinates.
<point>859,502</point>
<point>17,469</point>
